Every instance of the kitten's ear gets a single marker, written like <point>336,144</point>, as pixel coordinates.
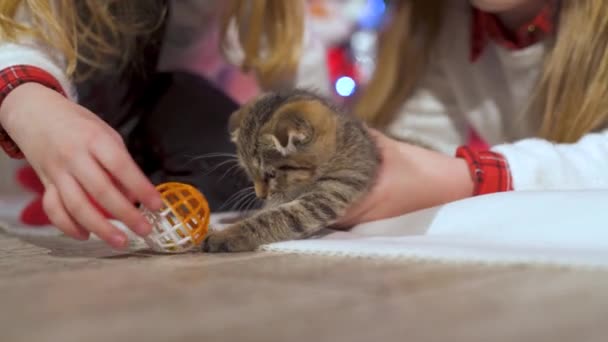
<point>298,124</point>
<point>234,123</point>
<point>291,131</point>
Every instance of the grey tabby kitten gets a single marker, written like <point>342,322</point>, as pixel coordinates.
<point>307,159</point>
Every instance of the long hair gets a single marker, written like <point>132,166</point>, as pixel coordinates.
<point>90,34</point>
<point>405,46</point>
<point>570,97</point>
<point>270,33</point>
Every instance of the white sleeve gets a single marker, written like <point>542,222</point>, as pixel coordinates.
<point>538,164</point>
<point>431,116</point>
<point>30,52</point>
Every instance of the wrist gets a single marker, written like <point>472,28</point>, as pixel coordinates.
<point>447,178</point>
<point>10,108</point>
<point>14,81</point>
<point>462,184</point>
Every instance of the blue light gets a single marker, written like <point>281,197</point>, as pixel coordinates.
<point>372,14</point>
<point>345,86</point>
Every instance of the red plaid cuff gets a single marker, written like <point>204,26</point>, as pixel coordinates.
<point>489,170</point>
<point>11,78</point>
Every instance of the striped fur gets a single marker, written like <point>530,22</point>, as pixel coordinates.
<point>307,158</point>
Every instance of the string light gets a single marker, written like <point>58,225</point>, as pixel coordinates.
<point>362,47</point>
<point>372,14</point>
<point>345,86</point>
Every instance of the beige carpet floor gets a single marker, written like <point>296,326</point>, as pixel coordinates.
<point>49,294</point>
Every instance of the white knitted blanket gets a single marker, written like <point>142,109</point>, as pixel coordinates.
<point>567,228</point>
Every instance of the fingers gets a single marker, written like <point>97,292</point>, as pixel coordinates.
<point>117,162</point>
<point>84,213</point>
<point>55,210</point>
<point>100,187</point>
<point>130,197</point>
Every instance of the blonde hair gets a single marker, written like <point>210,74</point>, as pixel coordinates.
<point>571,97</point>
<point>270,33</point>
<point>405,46</point>
<point>91,34</point>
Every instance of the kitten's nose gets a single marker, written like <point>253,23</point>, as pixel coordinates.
<point>261,190</point>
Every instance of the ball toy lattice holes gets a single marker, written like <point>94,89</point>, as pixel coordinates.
<point>183,221</point>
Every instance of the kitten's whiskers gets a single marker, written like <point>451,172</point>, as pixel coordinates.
<point>251,204</point>
<point>213,155</point>
<point>235,197</point>
<point>229,170</point>
<point>209,156</point>
<point>243,200</point>
<point>220,165</point>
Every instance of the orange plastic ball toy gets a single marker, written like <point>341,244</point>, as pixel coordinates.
<point>182,223</point>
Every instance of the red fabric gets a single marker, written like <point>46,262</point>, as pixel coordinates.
<point>475,142</point>
<point>486,27</point>
<point>11,78</point>
<point>489,170</point>
<point>28,179</point>
<point>33,214</point>
<point>339,64</point>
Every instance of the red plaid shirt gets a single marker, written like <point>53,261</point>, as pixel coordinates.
<point>486,27</point>
<point>490,170</point>
<point>11,78</point>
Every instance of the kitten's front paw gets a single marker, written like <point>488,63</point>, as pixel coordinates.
<point>226,242</point>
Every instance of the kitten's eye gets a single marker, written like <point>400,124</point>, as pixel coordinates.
<point>270,174</point>
<point>293,168</point>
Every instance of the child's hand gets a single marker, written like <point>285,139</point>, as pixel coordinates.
<point>78,156</point>
<point>410,178</point>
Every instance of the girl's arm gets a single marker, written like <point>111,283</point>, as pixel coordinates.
<point>77,156</point>
<point>28,51</point>
<point>26,55</point>
<point>432,117</point>
<point>27,60</point>
<point>536,164</point>
<point>16,59</point>
<point>412,178</point>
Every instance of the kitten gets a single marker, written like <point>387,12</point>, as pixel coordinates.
<point>307,159</point>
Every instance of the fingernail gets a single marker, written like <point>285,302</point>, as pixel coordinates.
<point>118,241</point>
<point>143,228</point>
<point>157,203</point>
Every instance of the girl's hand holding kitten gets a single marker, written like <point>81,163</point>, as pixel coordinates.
<point>410,178</point>
<point>78,156</point>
